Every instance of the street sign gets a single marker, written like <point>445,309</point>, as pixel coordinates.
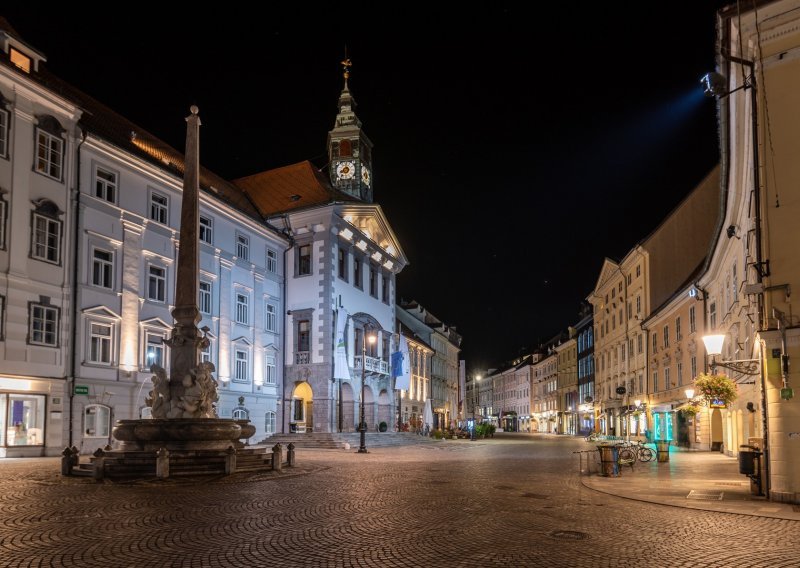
<point>81,389</point>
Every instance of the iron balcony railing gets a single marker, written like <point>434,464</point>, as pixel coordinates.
<point>373,365</point>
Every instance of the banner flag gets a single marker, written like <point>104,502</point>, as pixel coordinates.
<point>341,369</point>
<point>402,371</point>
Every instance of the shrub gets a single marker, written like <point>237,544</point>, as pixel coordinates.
<point>383,426</point>
<point>690,410</point>
<point>438,434</point>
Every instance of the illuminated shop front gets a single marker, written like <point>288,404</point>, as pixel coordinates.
<point>31,418</point>
<point>663,426</point>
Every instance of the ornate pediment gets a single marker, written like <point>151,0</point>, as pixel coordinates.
<point>367,228</point>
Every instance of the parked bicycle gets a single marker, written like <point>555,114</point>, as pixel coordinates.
<point>636,451</point>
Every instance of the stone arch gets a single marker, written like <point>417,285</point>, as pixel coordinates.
<point>301,413</point>
<point>385,408</point>
<point>348,408</point>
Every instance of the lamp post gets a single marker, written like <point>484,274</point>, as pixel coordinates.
<point>362,426</point>
<point>713,345</point>
<point>474,404</point>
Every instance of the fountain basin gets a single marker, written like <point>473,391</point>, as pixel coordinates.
<point>178,434</point>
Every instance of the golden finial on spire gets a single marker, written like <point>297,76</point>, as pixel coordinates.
<point>346,64</point>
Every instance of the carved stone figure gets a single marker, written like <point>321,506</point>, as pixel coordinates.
<point>158,398</point>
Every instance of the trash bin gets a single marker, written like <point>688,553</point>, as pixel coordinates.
<point>609,460</point>
<point>747,460</point>
<point>662,450</point>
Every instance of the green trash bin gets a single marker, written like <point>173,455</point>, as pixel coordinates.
<point>609,460</point>
<point>662,450</point>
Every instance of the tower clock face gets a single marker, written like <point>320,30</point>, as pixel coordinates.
<point>345,170</point>
<point>365,175</point>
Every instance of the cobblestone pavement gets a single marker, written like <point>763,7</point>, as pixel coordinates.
<point>513,501</point>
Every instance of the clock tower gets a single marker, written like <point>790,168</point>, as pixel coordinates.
<point>349,149</point>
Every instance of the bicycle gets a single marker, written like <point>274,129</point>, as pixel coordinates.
<point>636,451</point>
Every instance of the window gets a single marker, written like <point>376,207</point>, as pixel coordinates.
<point>241,366</point>
<point>105,185</point>
<point>100,343</point>
<point>357,279</point>
<point>680,372</point>
<point>630,279</point>
<point>304,335</point>
<point>666,337</point>
<point>102,268</point>
<point>692,321</point>
<point>678,335</point>
<point>271,323</point>
<point>46,239</point>
<point>43,326</point>
<point>154,350</point>
<point>385,288</point>
<point>304,260</point>
<point>271,370</point>
<point>655,342</point>
<point>272,261</point>
<point>159,208</point>
<point>630,311</point>
<point>342,264</point>
<point>712,315</point>
<point>205,353</point>
<point>734,283</point>
<point>242,309</point>
<point>243,246</point>
<point>49,154</point>
<point>638,304</point>
<point>694,367</point>
<point>613,293</point>
<point>666,378</point>
<point>2,224</point>
<point>630,347</point>
<point>2,317</point>
<point>22,61</point>
<point>206,230</point>
<point>204,298</point>
<point>373,281</point>
<point>96,421</point>
<point>3,133</point>
<point>638,270</point>
<point>298,410</point>
<point>241,414</point>
<point>655,381</point>
<point>269,423</point>
<point>156,283</point>
<point>641,383</point>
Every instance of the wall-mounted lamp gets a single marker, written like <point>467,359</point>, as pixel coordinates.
<point>713,345</point>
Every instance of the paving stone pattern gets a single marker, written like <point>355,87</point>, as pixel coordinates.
<point>512,501</point>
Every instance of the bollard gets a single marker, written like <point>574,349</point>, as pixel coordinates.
<point>277,457</point>
<point>66,462</point>
<point>230,460</point>
<point>75,456</point>
<point>290,454</point>
<point>162,463</point>
<point>99,463</point>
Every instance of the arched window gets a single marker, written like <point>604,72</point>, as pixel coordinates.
<point>97,421</point>
<point>241,414</point>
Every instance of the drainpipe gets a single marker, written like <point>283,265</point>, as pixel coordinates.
<point>287,232</point>
<point>75,257</point>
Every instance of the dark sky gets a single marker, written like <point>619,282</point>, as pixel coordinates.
<point>515,148</point>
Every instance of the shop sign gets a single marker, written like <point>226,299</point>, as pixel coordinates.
<point>81,389</point>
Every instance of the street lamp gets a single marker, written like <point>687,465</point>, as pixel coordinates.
<point>362,426</point>
<point>713,345</point>
<point>474,404</point>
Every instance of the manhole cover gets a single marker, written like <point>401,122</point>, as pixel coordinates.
<point>535,496</point>
<point>705,495</point>
<point>505,487</point>
<point>568,535</point>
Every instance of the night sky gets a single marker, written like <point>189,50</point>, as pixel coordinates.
<point>515,148</point>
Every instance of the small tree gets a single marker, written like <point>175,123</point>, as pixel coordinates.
<point>716,387</point>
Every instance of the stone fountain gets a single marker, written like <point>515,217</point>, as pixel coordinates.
<point>184,433</point>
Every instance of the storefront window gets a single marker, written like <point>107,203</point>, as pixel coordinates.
<point>97,421</point>
<point>24,419</point>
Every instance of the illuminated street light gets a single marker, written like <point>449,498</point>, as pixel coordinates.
<point>362,426</point>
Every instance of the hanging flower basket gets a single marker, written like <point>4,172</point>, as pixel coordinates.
<point>690,410</point>
<point>636,414</point>
<point>716,388</point>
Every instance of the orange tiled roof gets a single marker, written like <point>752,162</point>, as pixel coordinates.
<point>288,188</point>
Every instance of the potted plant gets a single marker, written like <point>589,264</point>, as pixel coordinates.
<point>383,426</point>
<point>716,387</point>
